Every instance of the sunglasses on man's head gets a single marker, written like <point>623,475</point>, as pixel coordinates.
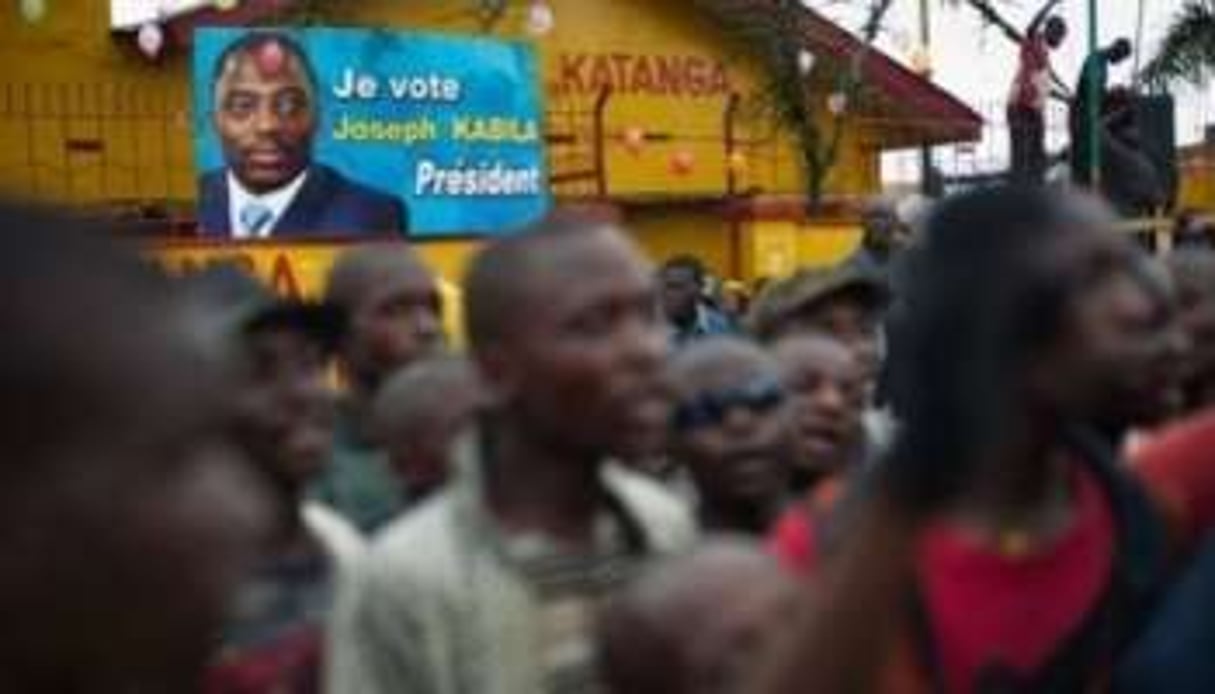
<point>710,408</point>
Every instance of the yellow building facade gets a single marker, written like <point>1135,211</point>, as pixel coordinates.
<point>1196,171</point>
<point>655,109</point>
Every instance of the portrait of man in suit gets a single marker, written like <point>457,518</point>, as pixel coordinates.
<point>265,112</point>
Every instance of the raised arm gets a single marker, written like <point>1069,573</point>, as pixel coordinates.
<point>1035,24</point>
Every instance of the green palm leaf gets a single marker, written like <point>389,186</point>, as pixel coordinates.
<point>1187,52</point>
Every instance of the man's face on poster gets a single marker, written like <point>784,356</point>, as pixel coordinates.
<point>265,115</point>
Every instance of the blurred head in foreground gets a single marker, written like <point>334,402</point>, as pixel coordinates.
<point>418,415</point>
<point>126,517</point>
<point>696,625</point>
<point>1025,311</point>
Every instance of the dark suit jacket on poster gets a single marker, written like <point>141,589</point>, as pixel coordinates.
<point>328,205</point>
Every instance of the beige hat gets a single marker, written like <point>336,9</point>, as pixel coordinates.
<point>808,288</point>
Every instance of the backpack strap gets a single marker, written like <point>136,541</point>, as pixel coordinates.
<point>1142,549</point>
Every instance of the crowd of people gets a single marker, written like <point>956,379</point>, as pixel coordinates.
<point>975,456</point>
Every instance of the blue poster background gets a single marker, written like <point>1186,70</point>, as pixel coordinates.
<point>497,79</point>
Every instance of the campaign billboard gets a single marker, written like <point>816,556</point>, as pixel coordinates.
<point>326,133</point>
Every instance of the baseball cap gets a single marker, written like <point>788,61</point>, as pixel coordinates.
<point>811,287</point>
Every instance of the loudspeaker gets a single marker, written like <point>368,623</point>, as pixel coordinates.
<point>1158,133</point>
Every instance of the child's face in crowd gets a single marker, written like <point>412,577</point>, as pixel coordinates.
<point>827,389</point>
<point>419,451</point>
<point>732,430</point>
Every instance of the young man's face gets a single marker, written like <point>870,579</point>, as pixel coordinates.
<point>396,322</point>
<point>827,388</point>
<point>1055,32</point>
<point>680,293</point>
<point>1116,359</point>
<point>265,115</point>
<point>583,367</point>
<point>419,451</point>
<point>732,429</point>
<point>285,411</point>
<point>1135,350</point>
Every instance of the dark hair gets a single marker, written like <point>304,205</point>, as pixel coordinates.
<point>81,318</point>
<point>1056,24</point>
<point>978,303</point>
<point>254,41</point>
<point>358,270</point>
<point>686,262</point>
<point>415,397</point>
<point>499,279</point>
<point>1121,49</point>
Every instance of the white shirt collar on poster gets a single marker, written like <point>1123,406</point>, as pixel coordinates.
<point>275,202</point>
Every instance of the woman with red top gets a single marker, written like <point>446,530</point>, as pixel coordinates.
<point>1000,546</point>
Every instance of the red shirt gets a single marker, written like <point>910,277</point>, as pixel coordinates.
<point>987,608</point>
<point>1178,468</point>
<point>1013,613</point>
<point>1031,86</point>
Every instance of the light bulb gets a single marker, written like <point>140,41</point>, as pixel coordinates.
<point>683,162</point>
<point>540,18</point>
<point>33,10</point>
<point>150,39</point>
<point>837,103</point>
<point>805,62</point>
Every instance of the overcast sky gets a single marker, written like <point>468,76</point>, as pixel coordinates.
<point>977,63</point>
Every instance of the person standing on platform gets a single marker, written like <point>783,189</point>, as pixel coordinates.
<point>1030,95</point>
